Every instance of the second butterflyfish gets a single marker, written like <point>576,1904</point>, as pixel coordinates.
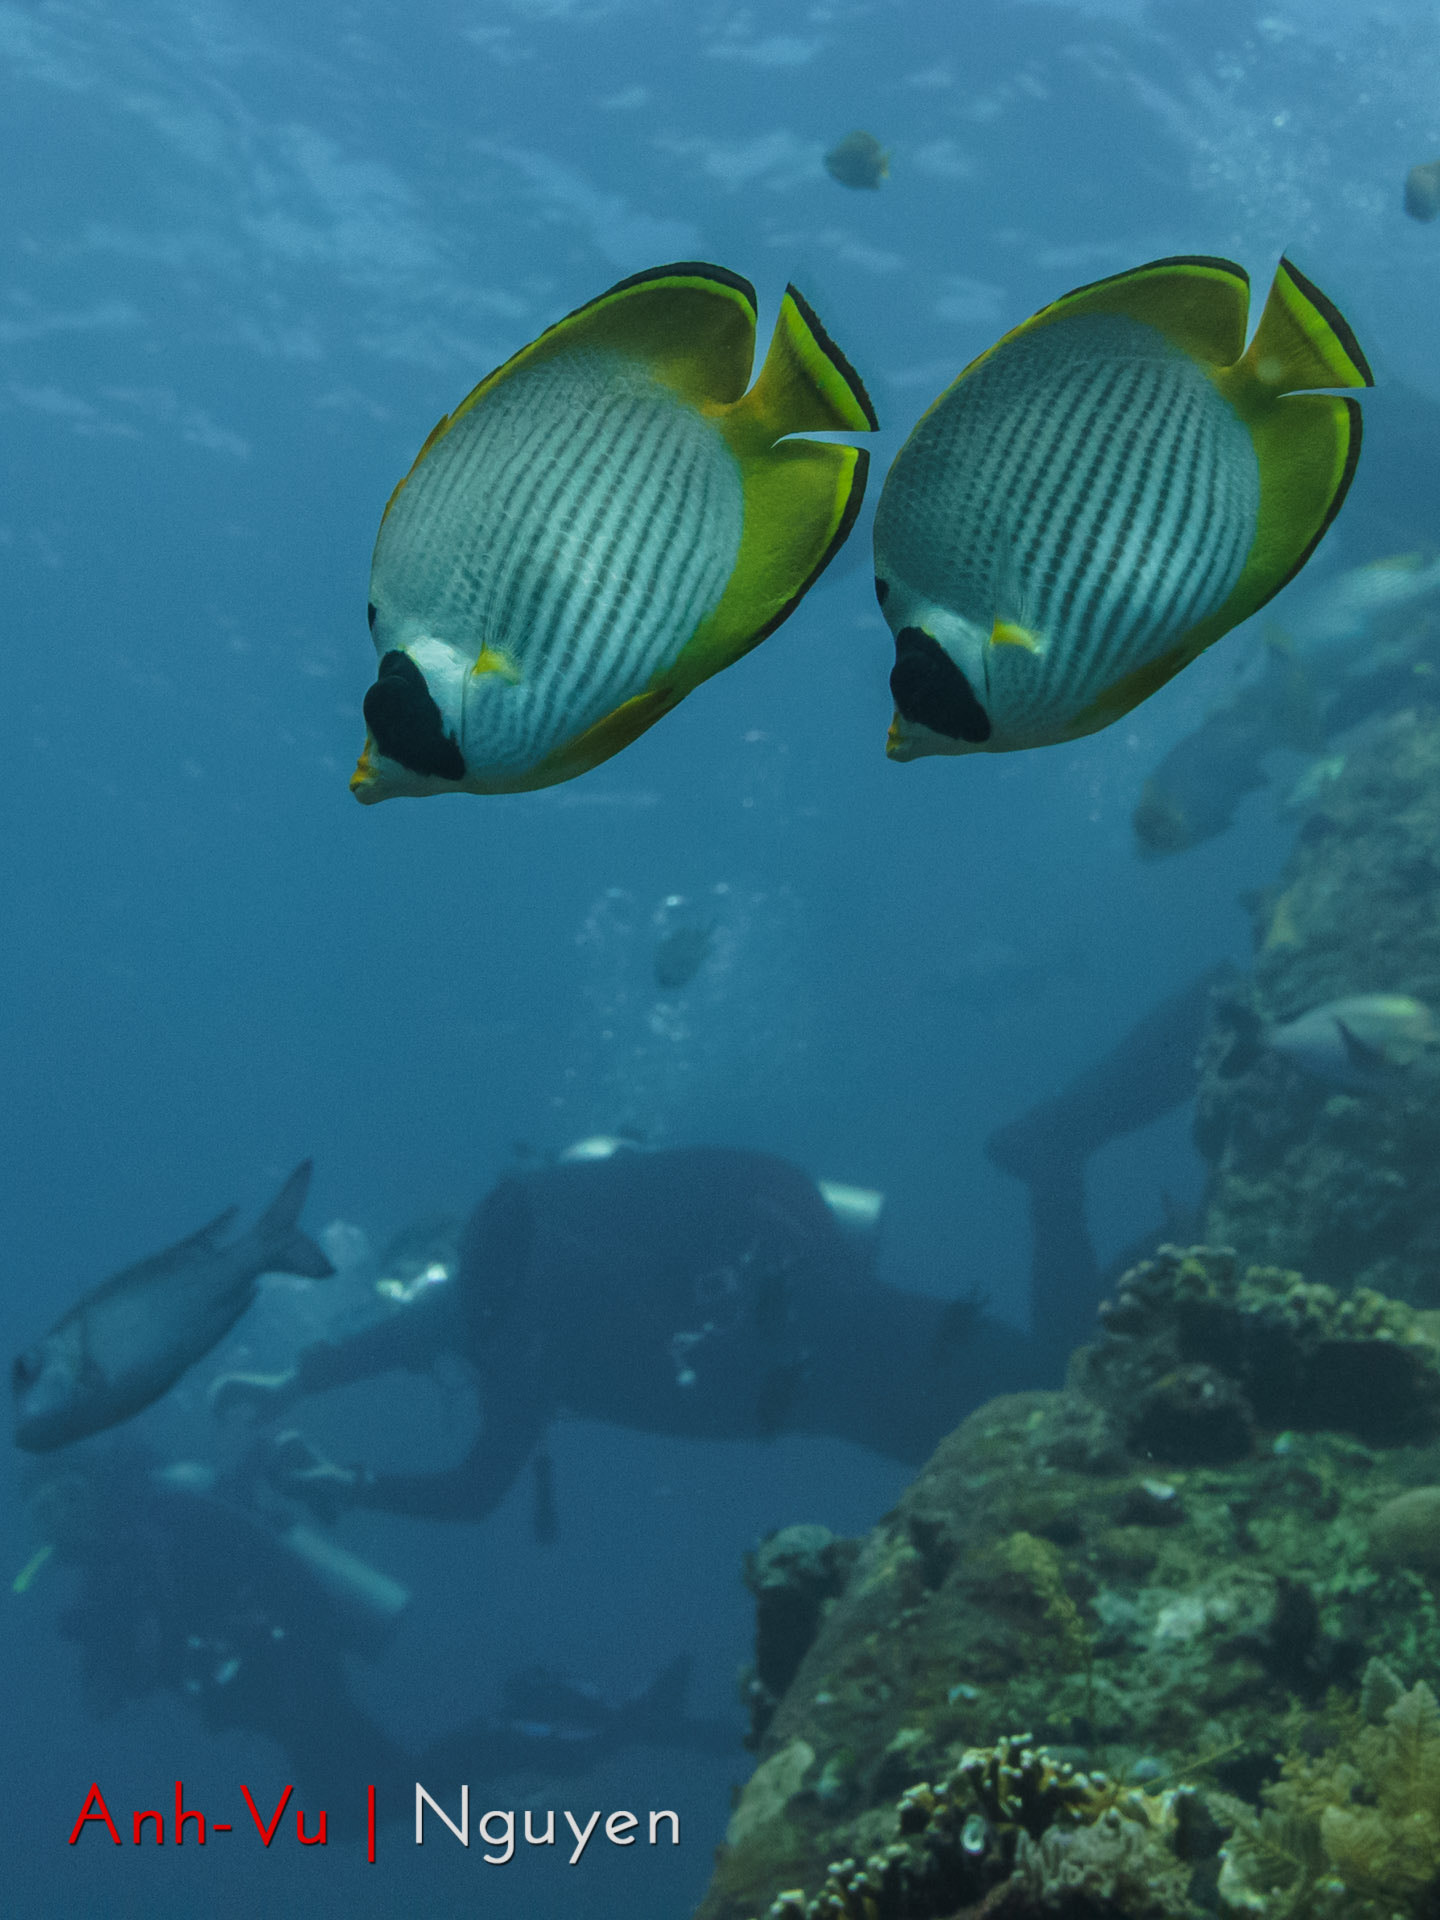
<point>1110,488</point>
<point>606,521</point>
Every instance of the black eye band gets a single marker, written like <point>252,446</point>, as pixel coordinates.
<point>405,722</point>
<point>929,689</point>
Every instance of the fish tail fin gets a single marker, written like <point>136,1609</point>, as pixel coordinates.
<point>1307,443</point>
<point>286,1248</point>
<point>801,498</point>
<point>1303,341</point>
<point>806,383</point>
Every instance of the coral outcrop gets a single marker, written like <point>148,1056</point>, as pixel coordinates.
<point>1206,1554</point>
<point>1342,1184</point>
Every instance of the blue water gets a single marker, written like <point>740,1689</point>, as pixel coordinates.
<point>250,254</point>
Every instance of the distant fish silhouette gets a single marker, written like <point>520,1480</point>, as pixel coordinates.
<point>859,160</point>
<point>1360,1042</point>
<point>128,1340</point>
<point>1422,191</point>
<point>680,954</point>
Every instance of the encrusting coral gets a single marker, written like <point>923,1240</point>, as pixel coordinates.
<point>1023,1831</point>
<point>1169,1624</point>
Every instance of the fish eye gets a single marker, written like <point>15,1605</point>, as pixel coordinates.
<point>24,1371</point>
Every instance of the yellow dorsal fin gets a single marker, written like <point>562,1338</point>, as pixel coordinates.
<point>1199,303</point>
<point>690,323</point>
<point>1303,341</point>
<point>805,384</point>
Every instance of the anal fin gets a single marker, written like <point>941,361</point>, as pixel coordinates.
<point>603,740</point>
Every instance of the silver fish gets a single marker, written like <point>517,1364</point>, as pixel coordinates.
<point>1358,1042</point>
<point>128,1340</point>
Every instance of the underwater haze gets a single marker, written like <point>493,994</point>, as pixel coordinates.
<point>251,254</point>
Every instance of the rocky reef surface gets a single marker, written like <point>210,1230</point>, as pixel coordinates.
<point>1343,1185</point>
<point>1159,1644</point>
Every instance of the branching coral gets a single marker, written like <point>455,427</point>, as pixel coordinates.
<point>1026,1830</point>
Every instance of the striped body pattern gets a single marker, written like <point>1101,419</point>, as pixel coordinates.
<point>554,550</point>
<point>1077,501</point>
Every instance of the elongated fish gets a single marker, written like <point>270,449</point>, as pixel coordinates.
<point>1102,494</point>
<point>606,521</point>
<point>1359,1042</point>
<point>129,1340</point>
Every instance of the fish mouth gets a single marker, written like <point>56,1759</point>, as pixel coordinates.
<point>365,780</point>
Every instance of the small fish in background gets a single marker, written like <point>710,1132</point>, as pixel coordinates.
<point>1351,606</point>
<point>1422,191</point>
<point>858,160</point>
<point>607,520</point>
<point>680,954</point>
<point>1364,642</point>
<point>127,1341</point>
<point>1359,1042</point>
<point>1104,493</point>
<point>1194,791</point>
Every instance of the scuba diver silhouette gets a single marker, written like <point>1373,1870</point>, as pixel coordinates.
<point>704,1292</point>
<point>209,1587</point>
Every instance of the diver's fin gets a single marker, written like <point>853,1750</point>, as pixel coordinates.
<point>204,1238</point>
<point>1303,341</point>
<point>690,323</point>
<point>1198,302</point>
<point>284,1246</point>
<point>805,385</point>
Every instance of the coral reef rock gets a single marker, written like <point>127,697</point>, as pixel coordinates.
<point>1158,1645</point>
<point>1343,1184</point>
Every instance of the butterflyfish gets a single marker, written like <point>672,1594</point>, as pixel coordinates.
<point>607,520</point>
<point>1102,494</point>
